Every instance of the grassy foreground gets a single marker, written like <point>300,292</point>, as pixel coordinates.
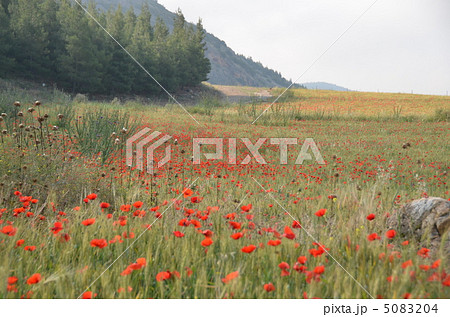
<point>75,220</point>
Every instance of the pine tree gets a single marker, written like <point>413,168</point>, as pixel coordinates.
<point>79,64</point>
<point>54,40</point>
<point>129,24</point>
<point>142,50</point>
<point>30,39</point>
<point>101,40</point>
<point>55,44</point>
<point>5,4</point>
<point>165,70</point>
<point>7,63</point>
<point>178,46</point>
<point>120,70</point>
<point>201,62</point>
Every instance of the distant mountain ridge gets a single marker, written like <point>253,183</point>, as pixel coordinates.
<point>324,86</point>
<point>227,67</point>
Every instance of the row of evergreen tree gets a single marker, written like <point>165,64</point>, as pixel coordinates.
<point>55,41</point>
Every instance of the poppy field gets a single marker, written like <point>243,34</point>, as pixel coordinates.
<point>77,222</point>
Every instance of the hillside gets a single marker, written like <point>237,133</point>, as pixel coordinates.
<point>227,67</point>
<point>324,86</point>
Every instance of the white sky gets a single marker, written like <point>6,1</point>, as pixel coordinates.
<point>398,46</point>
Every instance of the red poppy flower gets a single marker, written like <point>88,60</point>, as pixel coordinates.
<point>237,235</point>
<point>436,264</point>
<point>207,233</point>
<point>92,196</point>
<point>20,242</point>
<point>407,264</point>
<point>64,237</point>
<point>127,271</point>
<point>390,234</point>
<point>299,268</point>
<point>196,199</point>
<point>125,208</point>
<point>424,267</point>
<point>57,227</point>
<point>104,205</point>
<point>12,280</point>
<point>283,266</point>
<point>246,208</point>
<point>370,217</point>
<point>274,243</point>
<point>423,252</point>
<point>34,279</point>
<point>178,234</point>
<point>138,204</point>
<point>320,212</point>
<point>446,281</point>
<point>269,287</point>
<point>30,248</point>
<point>162,276</point>
<point>196,223</point>
<point>142,261</point>
<point>187,192</point>
<point>248,249</point>
<point>302,259</point>
<point>87,295</point>
<point>319,269</point>
<point>88,222</point>
<point>99,243</point>
<point>373,236</point>
<point>9,230</point>
<point>285,273</point>
<point>207,242</point>
<point>184,223</point>
<point>230,277</point>
<point>296,225</point>
<point>235,225</point>
<point>288,233</point>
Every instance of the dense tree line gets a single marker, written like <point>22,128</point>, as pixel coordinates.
<point>55,41</point>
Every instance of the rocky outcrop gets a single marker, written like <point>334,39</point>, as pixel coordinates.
<point>427,220</point>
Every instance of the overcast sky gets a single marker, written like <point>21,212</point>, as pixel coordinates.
<point>397,46</point>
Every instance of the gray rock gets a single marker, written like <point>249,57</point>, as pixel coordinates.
<point>427,220</point>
